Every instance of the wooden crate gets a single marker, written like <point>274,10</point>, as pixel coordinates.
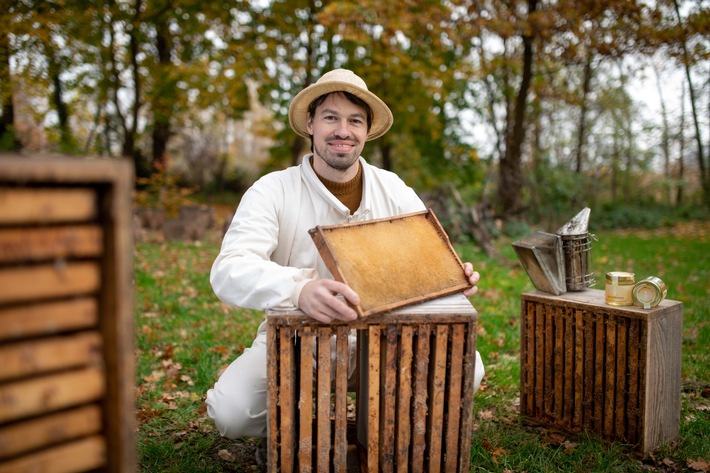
<point>413,403</point>
<point>613,371</point>
<point>66,330</point>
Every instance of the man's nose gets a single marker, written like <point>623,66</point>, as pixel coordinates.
<point>343,130</point>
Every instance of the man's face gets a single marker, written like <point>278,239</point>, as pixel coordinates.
<point>339,129</point>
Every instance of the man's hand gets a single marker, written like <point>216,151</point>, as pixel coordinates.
<point>319,300</point>
<point>473,278</point>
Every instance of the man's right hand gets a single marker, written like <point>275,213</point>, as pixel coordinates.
<point>319,300</point>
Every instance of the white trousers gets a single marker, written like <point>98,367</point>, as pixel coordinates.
<point>237,402</point>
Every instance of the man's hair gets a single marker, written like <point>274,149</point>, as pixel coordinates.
<point>351,97</point>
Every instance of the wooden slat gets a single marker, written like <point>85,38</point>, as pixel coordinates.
<point>469,375</point>
<point>388,418</point>
<point>373,402</point>
<point>633,364</point>
<point>610,377</point>
<point>305,401</point>
<point>404,395</point>
<point>568,356</point>
<point>437,395</point>
<point>49,354</point>
<point>342,358</point>
<point>27,205</point>
<point>548,361</point>
<point>50,393</point>
<point>274,410</point>
<point>621,388</point>
<point>49,430</point>
<point>323,400</point>
<point>453,406</point>
<point>421,376</point>
<point>558,364</point>
<point>589,371</point>
<point>539,354</point>
<point>48,243</point>
<point>49,318</point>
<point>30,283</point>
<point>287,397</point>
<point>599,362</point>
<point>578,383</point>
<point>528,401</point>
<point>81,455</point>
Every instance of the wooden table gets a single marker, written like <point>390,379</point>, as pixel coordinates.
<point>613,371</point>
<point>414,396</point>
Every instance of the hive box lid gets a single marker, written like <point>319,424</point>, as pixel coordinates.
<point>392,262</point>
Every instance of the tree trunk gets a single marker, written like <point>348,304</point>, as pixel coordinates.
<point>161,103</point>
<point>7,120</point>
<point>66,140</point>
<point>386,151</point>
<point>704,174</point>
<point>665,138</point>
<point>681,158</point>
<point>582,128</point>
<point>511,178</point>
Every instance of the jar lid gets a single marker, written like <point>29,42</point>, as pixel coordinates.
<point>620,277</point>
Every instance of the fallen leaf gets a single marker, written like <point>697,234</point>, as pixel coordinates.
<point>226,455</point>
<point>554,438</point>
<point>569,446</point>
<point>486,414</point>
<point>699,464</point>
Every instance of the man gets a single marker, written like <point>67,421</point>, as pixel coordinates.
<point>268,258</point>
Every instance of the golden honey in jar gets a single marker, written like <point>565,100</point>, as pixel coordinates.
<point>649,292</point>
<point>619,287</point>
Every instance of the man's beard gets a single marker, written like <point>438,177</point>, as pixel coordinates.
<point>338,161</point>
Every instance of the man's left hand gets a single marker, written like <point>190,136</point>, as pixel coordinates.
<point>473,278</point>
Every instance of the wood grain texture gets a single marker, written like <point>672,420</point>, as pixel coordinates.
<point>49,430</point>
<point>49,243</point>
<point>34,357</point>
<point>23,205</point>
<point>22,321</point>
<point>50,393</point>
<point>81,455</point>
<point>33,283</point>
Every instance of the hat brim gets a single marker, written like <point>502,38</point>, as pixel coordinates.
<point>298,110</point>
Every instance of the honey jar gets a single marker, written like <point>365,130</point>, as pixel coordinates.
<point>649,292</point>
<point>619,287</point>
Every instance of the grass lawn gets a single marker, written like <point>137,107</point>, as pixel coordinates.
<point>185,336</point>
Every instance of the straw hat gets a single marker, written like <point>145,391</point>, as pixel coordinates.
<point>339,80</point>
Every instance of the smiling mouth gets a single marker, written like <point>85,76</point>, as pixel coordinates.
<point>344,147</point>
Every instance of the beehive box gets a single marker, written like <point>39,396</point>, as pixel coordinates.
<point>66,376</point>
<point>392,262</point>
<point>413,402</point>
<point>612,371</point>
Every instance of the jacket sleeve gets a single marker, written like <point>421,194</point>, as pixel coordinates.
<point>243,274</point>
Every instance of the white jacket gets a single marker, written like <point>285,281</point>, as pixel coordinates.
<point>267,255</point>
